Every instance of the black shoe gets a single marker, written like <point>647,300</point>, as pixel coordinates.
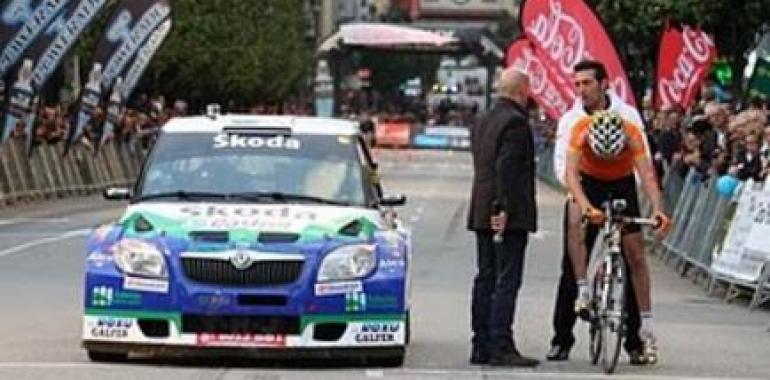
<point>479,355</point>
<point>557,353</point>
<point>636,357</point>
<point>512,360</point>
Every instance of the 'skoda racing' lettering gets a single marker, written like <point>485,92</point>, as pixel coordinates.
<point>250,212</point>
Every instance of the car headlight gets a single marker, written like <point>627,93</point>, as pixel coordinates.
<point>136,257</point>
<point>348,262</point>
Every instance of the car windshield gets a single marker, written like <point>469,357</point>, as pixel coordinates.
<point>232,166</point>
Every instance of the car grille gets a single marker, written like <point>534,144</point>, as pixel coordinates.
<point>234,324</point>
<point>220,272</point>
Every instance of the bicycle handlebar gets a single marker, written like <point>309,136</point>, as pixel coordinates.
<point>652,222</point>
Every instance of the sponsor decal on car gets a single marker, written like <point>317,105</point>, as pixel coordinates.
<point>256,142</point>
<point>214,301</point>
<point>106,296</point>
<point>336,288</point>
<point>111,327</point>
<point>380,332</point>
<point>392,264</point>
<point>99,259</point>
<point>355,302</point>
<point>145,284</point>
<point>381,302</point>
<point>240,340</point>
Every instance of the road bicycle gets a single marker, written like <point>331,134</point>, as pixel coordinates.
<point>606,279</point>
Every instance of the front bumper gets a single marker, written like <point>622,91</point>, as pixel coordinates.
<point>142,330</point>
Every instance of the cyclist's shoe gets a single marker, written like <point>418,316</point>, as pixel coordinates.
<point>650,349</point>
<point>583,307</point>
<point>636,357</point>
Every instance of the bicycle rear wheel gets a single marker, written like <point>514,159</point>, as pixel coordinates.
<point>612,322</point>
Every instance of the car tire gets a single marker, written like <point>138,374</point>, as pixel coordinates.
<point>106,357</point>
<point>408,328</point>
<point>396,359</point>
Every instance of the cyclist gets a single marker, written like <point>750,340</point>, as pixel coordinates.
<point>592,85</point>
<point>603,154</point>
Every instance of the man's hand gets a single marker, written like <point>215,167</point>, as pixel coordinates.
<point>499,221</point>
<point>663,226</point>
<point>594,215</point>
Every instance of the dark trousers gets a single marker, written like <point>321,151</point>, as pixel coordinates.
<point>495,289</point>
<point>564,313</point>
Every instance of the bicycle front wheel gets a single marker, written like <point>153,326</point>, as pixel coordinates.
<point>612,322</point>
<point>594,324</point>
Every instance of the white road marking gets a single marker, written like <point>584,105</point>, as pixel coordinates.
<point>375,373</point>
<point>12,221</point>
<point>508,373</point>
<point>48,240</point>
<point>438,372</point>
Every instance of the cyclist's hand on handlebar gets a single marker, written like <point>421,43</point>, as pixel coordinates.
<point>663,224</point>
<point>594,215</point>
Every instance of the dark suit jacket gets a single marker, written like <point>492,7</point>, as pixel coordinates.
<point>504,168</point>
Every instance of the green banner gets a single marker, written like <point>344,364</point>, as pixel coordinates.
<point>760,80</point>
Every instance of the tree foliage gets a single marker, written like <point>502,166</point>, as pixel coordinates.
<point>240,51</point>
<point>636,26</point>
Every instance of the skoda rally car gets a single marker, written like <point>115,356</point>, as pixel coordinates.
<point>251,235</point>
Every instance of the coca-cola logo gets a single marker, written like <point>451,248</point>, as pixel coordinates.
<point>679,75</point>
<point>542,87</point>
<point>698,44</point>
<point>566,32</point>
<point>560,35</point>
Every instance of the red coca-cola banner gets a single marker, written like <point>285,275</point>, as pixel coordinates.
<point>568,31</point>
<point>554,96</point>
<point>684,59</point>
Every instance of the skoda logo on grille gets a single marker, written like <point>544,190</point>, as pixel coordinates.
<point>241,260</point>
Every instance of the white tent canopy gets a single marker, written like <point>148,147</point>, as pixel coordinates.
<point>389,36</point>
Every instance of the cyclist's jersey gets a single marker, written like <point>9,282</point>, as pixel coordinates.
<point>601,168</point>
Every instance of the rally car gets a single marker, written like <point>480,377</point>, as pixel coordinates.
<point>251,235</point>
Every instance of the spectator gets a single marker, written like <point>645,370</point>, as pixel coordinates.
<point>747,162</point>
<point>670,139</point>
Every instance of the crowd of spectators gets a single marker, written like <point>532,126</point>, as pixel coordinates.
<point>713,138</point>
<point>139,122</point>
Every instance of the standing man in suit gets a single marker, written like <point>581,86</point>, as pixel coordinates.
<point>502,214</point>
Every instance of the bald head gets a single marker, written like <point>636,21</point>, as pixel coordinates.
<point>514,84</point>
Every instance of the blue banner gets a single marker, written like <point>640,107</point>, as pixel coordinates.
<point>124,87</point>
<point>47,53</point>
<point>128,28</point>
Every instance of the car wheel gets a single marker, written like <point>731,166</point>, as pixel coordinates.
<point>396,359</point>
<point>408,327</point>
<point>106,357</point>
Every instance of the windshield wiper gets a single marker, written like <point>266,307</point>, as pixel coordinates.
<point>286,197</point>
<point>181,194</point>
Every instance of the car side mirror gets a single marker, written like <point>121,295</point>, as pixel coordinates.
<point>117,193</point>
<point>393,200</point>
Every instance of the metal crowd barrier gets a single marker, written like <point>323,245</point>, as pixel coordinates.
<point>701,218</point>
<point>47,173</point>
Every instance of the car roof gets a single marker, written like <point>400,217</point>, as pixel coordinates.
<point>298,124</point>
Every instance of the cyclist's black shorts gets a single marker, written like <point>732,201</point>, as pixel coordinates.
<point>599,191</point>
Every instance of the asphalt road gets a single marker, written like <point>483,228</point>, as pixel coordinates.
<point>41,269</point>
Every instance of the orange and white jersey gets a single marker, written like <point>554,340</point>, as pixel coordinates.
<point>606,169</point>
<point>569,120</point>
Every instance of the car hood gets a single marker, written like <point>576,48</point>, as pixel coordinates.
<point>308,222</point>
